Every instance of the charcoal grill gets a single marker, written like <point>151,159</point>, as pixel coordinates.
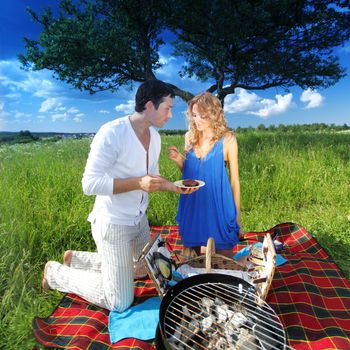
<point>193,316</point>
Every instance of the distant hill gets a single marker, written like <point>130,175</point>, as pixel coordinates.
<point>27,136</point>
<point>47,134</point>
<point>7,137</point>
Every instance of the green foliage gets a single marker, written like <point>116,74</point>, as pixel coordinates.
<point>297,128</point>
<point>98,45</point>
<point>42,212</point>
<point>295,176</point>
<point>261,44</point>
<point>172,132</point>
<point>103,44</point>
<point>24,136</point>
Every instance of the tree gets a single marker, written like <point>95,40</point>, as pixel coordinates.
<point>26,134</point>
<point>261,127</point>
<point>100,45</point>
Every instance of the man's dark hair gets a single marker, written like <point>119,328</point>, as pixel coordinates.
<point>152,90</point>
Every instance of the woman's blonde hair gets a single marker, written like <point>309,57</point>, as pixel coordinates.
<point>210,106</point>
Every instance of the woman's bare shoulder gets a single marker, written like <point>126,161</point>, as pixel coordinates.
<point>187,141</point>
<point>230,138</point>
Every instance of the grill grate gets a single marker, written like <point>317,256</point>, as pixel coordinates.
<point>222,316</point>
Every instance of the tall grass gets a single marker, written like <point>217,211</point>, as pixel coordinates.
<point>303,178</point>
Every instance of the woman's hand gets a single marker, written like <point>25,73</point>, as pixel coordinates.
<point>241,233</point>
<point>175,155</point>
<point>170,186</point>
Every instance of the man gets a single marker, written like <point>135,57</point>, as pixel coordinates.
<point>121,169</point>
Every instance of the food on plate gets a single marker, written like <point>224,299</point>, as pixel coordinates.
<point>190,183</point>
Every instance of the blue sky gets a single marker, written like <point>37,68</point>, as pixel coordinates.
<point>37,102</point>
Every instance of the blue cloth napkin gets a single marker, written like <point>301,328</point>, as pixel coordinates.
<point>280,260</point>
<point>139,321</point>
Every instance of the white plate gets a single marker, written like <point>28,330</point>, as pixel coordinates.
<point>180,184</point>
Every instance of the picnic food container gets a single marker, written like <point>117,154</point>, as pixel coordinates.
<point>278,246</point>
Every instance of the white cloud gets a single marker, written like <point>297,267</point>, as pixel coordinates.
<point>19,115</point>
<point>36,83</point>
<point>70,114</point>
<point>2,110</point>
<point>59,116</point>
<point>103,111</point>
<point>73,110</point>
<point>42,84</point>
<point>242,101</point>
<point>53,105</point>
<point>126,108</point>
<point>273,107</point>
<point>166,59</point>
<point>39,87</point>
<point>170,67</point>
<point>313,98</point>
<point>13,95</point>
<point>50,104</point>
<point>250,103</point>
<point>3,113</point>
<point>77,119</point>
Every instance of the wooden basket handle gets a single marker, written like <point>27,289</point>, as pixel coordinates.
<point>208,254</point>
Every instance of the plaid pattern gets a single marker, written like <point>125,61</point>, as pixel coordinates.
<point>309,293</point>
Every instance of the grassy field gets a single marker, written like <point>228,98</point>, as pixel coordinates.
<point>298,177</point>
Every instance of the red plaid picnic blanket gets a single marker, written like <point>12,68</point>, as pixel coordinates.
<point>309,293</point>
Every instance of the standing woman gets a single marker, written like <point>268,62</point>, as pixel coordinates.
<point>213,210</point>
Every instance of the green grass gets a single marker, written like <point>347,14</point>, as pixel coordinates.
<point>298,177</point>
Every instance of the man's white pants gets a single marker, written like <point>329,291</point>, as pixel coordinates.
<point>105,278</point>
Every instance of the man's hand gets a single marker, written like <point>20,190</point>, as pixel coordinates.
<point>153,183</point>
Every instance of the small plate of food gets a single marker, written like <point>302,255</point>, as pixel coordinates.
<point>189,183</point>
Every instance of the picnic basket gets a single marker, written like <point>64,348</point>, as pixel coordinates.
<point>211,260</point>
<point>261,266</point>
<point>260,275</point>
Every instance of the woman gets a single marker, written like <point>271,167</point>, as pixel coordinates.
<point>213,210</point>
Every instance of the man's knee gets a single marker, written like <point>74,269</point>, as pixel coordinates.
<point>121,301</point>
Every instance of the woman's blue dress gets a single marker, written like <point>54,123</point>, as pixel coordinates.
<point>211,210</point>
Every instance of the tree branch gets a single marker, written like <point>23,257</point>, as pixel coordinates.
<point>185,95</point>
<point>260,87</point>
